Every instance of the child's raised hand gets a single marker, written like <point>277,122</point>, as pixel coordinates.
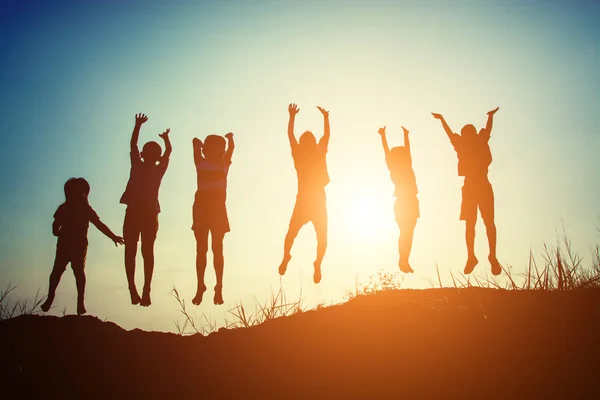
<point>293,109</point>
<point>140,118</point>
<point>118,240</point>
<point>381,131</point>
<point>198,142</point>
<point>437,116</point>
<point>490,113</point>
<point>323,111</point>
<point>229,135</point>
<point>165,134</point>
<point>405,130</point>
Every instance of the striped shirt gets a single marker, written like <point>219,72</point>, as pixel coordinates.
<point>212,176</point>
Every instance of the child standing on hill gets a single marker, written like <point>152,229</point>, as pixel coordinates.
<point>71,222</point>
<point>474,158</point>
<point>141,198</point>
<point>210,210</point>
<point>311,202</point>
<point>406,207</point>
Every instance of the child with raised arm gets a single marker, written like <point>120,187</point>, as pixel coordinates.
<point>474,158</point>
<point>406,207</point>
<point>210,211</point>
<point>141,198</point>
<point>71,222</point>
<point>311,202</point>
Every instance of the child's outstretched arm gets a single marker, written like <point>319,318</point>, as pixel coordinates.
<point>487,131</point>
<point>406,140</point>
<point>197,146</point>
<point>139,121</point>
<point>293,110</point>
<point>384,143</point>
<point>326,131</point>
<point>444,124</point>
<point>168,148</point>
<point>230,146</point>
<point>104,229</point>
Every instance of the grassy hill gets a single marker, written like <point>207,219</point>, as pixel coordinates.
<point>435,343</point>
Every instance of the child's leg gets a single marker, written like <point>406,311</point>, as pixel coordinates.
<point>470,239</point>
<point>297,221</point>
<point>292,232</point>
<point>150,229</point>
<point>320,224</point>
<point>78,266</point>
<point>490,227</point>
<point>219,263</point>
<point>201,235</point>
<point>405,241</point>
<point>321,248</point>
<point>131,233</point>
<point>468,213</point>
<point>60,265</point>
<point>487,213</point>
<point>491,234</point>
<point>130,254</point>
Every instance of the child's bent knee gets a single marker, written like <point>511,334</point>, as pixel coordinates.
<point>489,223</point>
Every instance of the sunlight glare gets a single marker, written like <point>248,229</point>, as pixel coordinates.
<point>370,217</point>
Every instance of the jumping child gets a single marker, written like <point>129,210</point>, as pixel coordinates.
<point>71,222</point>
<point>141,198</point>
<point>474,158</point>
<point>311,202</point>
<point>406,207</point>
<point>210,210</point>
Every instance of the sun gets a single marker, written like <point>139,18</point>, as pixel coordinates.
<point>370,216</point>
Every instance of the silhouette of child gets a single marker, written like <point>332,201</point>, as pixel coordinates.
<point>474,158</point>
<point>141,198</point>
<point>406,207</point>
<point>210,210</point>
<point>311,202</point>
<point>71,222</point>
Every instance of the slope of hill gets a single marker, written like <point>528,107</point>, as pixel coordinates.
<point>437,343</point>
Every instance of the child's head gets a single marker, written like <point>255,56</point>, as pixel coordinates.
<point>214,147</point>
<point>151,152</point>
<point>307,143</point>
<point>399,157</point>
<point>77,190</point>
<point>468,131</point>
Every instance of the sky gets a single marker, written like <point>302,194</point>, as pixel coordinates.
<point>75,73</point>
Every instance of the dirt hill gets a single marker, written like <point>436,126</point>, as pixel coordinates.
<point>438,343</point>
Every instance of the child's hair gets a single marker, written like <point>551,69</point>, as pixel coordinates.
<point>468,131</point>
<point>151,151</point>
<point>77,191</point>
<point>399,156</point>
<point>214,147</point>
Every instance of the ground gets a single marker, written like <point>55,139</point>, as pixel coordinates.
<point>436,343</point>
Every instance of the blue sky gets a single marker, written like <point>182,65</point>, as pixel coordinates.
<point>75,73</point>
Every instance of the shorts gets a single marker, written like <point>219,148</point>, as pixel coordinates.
<point>406,211</point>
<point>477,194</point>
<point>140,222</point>
<point>69,252</point>
<point>310,208</point>
<point>209,213</point>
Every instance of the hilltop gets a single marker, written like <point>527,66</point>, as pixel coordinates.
<point>435,343</point>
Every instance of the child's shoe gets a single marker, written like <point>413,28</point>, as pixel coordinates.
<point>496,267</point>
<point>471,263</point>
